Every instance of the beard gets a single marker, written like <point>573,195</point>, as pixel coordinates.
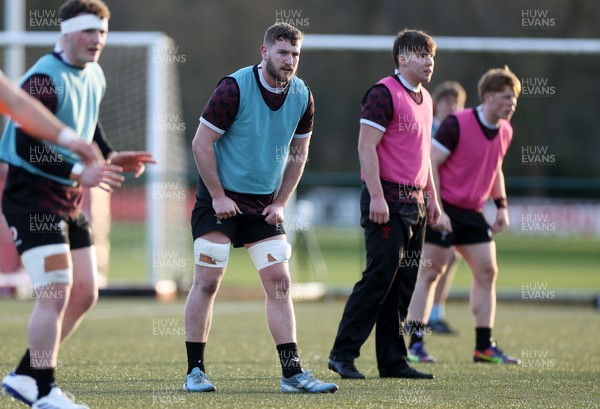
<point>273,72</point>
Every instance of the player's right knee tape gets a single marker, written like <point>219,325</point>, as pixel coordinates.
<point>49,264</point>
<point>209,254</point>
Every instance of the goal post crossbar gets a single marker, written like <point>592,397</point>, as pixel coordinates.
<point>516,45</point>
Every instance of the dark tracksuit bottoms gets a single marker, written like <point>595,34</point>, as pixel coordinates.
<point>383,294</point>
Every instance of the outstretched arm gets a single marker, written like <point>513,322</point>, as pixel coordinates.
<point>39,122</point>
<point>131,161</point>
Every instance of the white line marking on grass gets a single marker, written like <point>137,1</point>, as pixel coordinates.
<point>104,311</point>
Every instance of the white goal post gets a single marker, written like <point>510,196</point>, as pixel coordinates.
<point>155,112</point>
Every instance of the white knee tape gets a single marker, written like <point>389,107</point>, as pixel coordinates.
<point>209,254</point>
<point>48,264</point>
<point>270,252</point>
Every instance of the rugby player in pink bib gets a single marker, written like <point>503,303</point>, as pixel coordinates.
<point>466,158</point>
<point>398,198</point>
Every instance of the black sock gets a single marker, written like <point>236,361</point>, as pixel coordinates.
<point>195,355</point>
<point>44,378</point>
<point>483,338</point>
<point>24,367</point>
<point>416,328</point>
<point>288,356</point>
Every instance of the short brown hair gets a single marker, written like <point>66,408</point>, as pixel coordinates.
<point>73,8</point>
<point>282,31</point>
<point>449,88</point>
<point>408,41</point>
<point>495,79</point>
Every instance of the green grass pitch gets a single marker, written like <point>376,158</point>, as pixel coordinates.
<point>570,263</point>
<point>131,354</point>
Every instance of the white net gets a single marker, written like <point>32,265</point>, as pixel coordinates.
<point>149,233</point>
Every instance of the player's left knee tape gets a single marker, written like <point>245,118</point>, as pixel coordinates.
<point>49,264</point>
<point>270,252</point>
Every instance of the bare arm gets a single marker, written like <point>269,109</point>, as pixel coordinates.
<point>206,163</point>
<point>293,169</point>
<point>433,205</point>
<point>499,192</point>
<point>291,176</point>
<point>438,157</point>
<point>498,187</point>
<point>368,139</point>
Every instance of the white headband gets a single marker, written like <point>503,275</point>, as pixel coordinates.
<point>83,22</point>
